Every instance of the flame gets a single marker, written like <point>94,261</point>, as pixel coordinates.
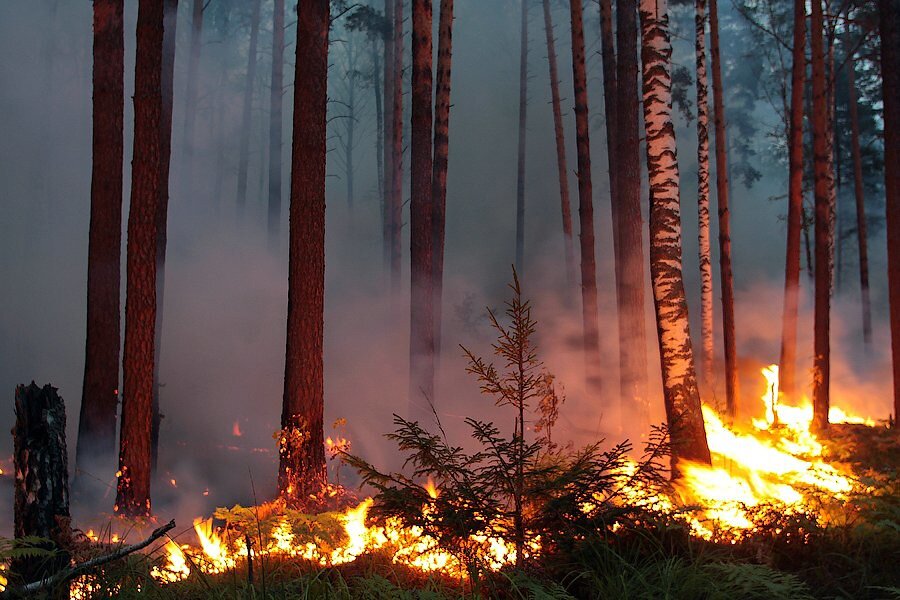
<point>236,429</point>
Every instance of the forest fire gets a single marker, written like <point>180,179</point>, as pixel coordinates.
<point>778,463</point>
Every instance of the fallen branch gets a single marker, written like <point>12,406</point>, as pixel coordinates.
<point>79,569</point>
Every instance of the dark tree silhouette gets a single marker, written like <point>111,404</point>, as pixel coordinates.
<point>191,94</point>
<point>301,470</point>
<point>396,204</point>
<point>859,195</point>
<point>523,132</point>
<point>97,422</point>
<point>275,101</point>
<point>246,112</point>
<point>133,490</point>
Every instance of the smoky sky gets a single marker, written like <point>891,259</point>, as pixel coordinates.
<point>226,286</point>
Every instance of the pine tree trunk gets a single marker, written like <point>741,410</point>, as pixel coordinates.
<point>788,361</point>
<point>379,121</point>
<point>301,471</point>
<point>275,101</point>
<point>191,94</point>
<point>706,283</point>
<point>589,307</point>
<point>523,121</point>
<point>133,489</point>
<point>631,223</point>
<point>351,123</point>
<point>421,332</point>
<point>387,176</point>
<point>608,58</point>
<point>561,163</point>
<point>397,150</point>
<point>167,86</point>
<point>732,391</point>
<point>889,14</point>
<point>824,219</point>
<point>99,397</point>
<point>441,152</point>
<point>682,399</point>
<point>860,205</point>
<point>246,113</point>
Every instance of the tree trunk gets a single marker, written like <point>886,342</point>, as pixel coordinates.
<point>860,205</point>
<point>561,165</point>
<point>379,121</point>
<point>889,13</point>
<point>589,307</point>
<point>421,332</point>
<point>397,150</point>
<point>301,472</point>
<point>275,99</point>
<point>133,489</point>
<point>608,57</point>
<point>682,399</point>
<point>41,504</point>
<point>167,86</point>
<point>387,176</point>
<point>351,122</point>
<point>732,391</point>
<point>191,93</point>
<point>631,222</point>
<point>824,219</point>
<point>788,361</point>
<point>247,110</point>
<point>706,283</point>
<point>523,120</point>
<point>99,397</point>
<point>441,151</point>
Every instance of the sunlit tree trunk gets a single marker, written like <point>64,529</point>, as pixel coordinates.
<point>421,331</point>
<point>860,205</point>
<point>589,308</point>
<point>633,355</point>
<point>889,13</point>
<point>396,205</point>
<point>301,471</point>
<point>786,373</point>
<point>682,399</point>
<point>523,120</point>
<point>732,391</point>
<point>439,167</point>
<point>167,87</point>
<point>561,162</point>
<point>97,421</point>
<point>133,488</point>
<point>191,94</point>
<point>247,109</point>
<point>706,283</point>
<point>275,103</point>
<point>387,176</point>
<point>822,161</point>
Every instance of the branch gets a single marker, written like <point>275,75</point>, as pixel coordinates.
<point>73,572</point>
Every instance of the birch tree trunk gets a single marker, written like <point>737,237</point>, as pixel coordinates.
<point>706,283</point>
<point>561,162</point>
<point>301,472</point>
<point>732,391</point>
<point>439,167</point>
<point>523,120</point>
<point>633,352</point>
<point>275,104</point>
<point>889,18</point>
<point>99,399</point>
<point>246,113</point>
<point>591,339</point>
<point>788,361</point>
<point>682,399</point>
<point>133,487</point>
<point>824,175</point>
<point>861,233</point>
<point>421,331</point>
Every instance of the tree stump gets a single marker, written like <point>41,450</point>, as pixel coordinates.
<point>42,478</point>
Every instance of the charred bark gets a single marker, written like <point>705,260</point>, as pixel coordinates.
<point>42,479</point>
<point>682,399</point>
<point>561,163</point>
<point>788,361</point>
<point>301,472</point>
<point>133,488</point>
<point>589,307</point>
<point>99,396</point>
